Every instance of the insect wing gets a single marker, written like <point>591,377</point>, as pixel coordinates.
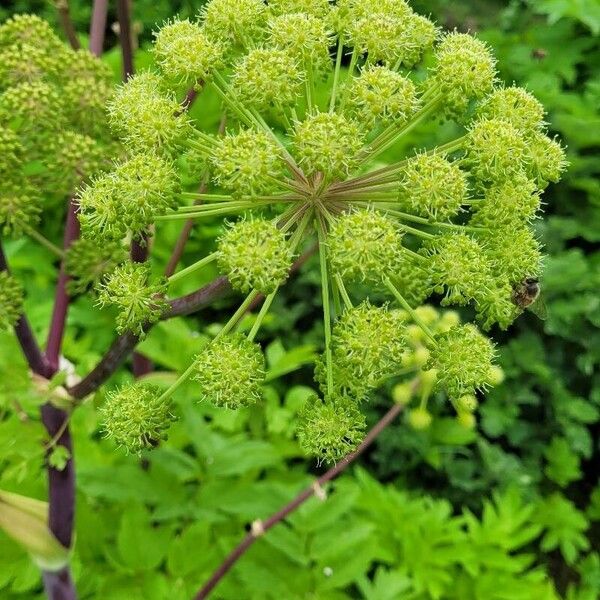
<point>538,308</point>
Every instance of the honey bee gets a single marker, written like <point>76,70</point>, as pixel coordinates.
<point>526,295</point>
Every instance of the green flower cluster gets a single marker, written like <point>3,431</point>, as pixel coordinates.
<point>11,300</point>
<point>52,116</point>
<point>311,151</point>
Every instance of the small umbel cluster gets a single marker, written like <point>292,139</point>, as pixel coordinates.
<point>318,98</point>
<point>52,116</point>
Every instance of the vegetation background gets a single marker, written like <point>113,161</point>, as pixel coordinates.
<point>510,511</point>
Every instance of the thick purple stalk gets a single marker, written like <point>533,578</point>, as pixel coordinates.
<point>58,585</point>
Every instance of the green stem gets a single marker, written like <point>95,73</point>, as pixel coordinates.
<point>326,304</point>
<point>336,74</point>
<point>190,214</point>
<point>36,235</point>
<point>193,268</point>
<point>351,67</point>
<point>262,314</point>
<point>409,309</point>
<point>343,292</point>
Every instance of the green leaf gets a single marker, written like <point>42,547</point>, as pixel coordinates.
<point>563,463</point>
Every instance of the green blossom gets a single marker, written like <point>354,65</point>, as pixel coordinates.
<point>138,301</point>
<point>236,22</point>
<point>330,429</point>
<point>136,417</point>
<point>515,105</point>
<point>255,255</point>
<point>230,372</point>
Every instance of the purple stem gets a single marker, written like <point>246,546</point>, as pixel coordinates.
<point>58,585</point>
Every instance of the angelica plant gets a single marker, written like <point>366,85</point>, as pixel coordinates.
<point>317,98</point>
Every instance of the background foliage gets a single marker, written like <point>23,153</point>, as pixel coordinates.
<point>510,511</point>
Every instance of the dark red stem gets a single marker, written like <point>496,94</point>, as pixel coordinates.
<point>98,26</point>
<point>61,299</point>
<point>64,14</point>
<point>281,514</point>
<point>58,585</point>
<point>124,18</point>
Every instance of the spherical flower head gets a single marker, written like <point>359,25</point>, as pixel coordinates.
<point>11,301</point>
<point>315,8</point>
<point>185,53</point>
<point>381,95</point>
<point>496,151</point>
<point>267,77</point>
<point>364,246</point>
<point>509,203</point>
<point>327,143</point>
<point>464,70</point>
<point>231,371</point>
<point>514,253</point>
<point>246,163</point>
<point>145,116</point>
<point>458,267</point>
<point>515,105</point>
<point>255,255</point>
<point>330,429</point>
<point>236,22</point>
<point>20,206</point>
<point>413,280</point>
<point>88,262</point>
<point>136,417</point>
<point>367,347</point>
<point>129,198</point>
<point>303,37</point>
<point>547,159</point>
<point>29,29</point>
<point>38,108</point>
<point>138,301</point>
<point>463,358</point>
<point>433,187</point>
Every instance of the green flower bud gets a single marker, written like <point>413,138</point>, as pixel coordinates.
<point>449,319</point>
<point>129,198</point>
<point>419,419</point>
<point>19,205</point>
<point>507,204</point>
<point>138,302</point>
<point>136,417</point>
<point>11,301</point>
<point>315,8</point>
<point>330,429</point>
<point>364,246</point>
<point>146,116</point>
<point>496,375</point>
<point>29,29</point>
<point>546,159</point>
<point>185,53</point>
<point>433,187</point>
<point>466,420</point>
<point>367,346</point>
<point>327,143</point>
<point>464,69</point>
<point>237,22</point>
<point>412,280</point>
<point>467,403</point>
<point>380,95</point>
<point>265,77</point>
<point>87,262</point>
<point>403,393</point>
<point>255,255</point>
<point>246,163</point>
<point>514,253</point>
<point>304,38</point>
<point>496,151</point>
<point>463,358</point>
<point>515,105</point>
<point>457,266</point>
<point>231,372</point>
